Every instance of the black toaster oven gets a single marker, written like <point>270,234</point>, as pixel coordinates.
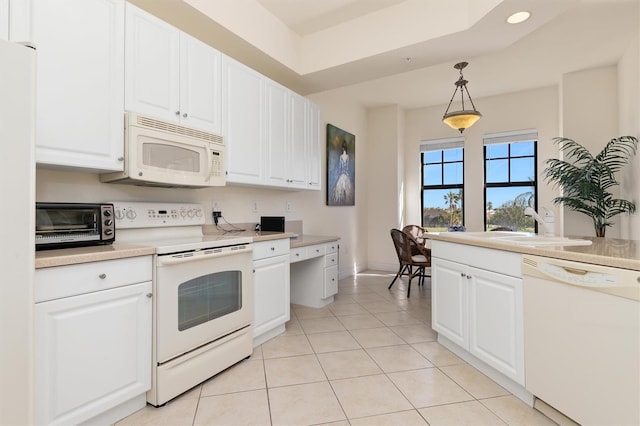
<point>62,225</point>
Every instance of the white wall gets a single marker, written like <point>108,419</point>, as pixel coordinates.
<point>629,124</point>
<point>590,117</point>
<point>385,184</point>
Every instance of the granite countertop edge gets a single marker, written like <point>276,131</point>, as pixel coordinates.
<point>612,252</point>
<point>77,255</point>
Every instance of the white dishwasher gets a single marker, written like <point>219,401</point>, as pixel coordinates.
<point>582,339</point>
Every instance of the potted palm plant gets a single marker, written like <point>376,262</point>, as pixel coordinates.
<point>586,180</point>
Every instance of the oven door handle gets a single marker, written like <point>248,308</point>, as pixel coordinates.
<point>170,260</point>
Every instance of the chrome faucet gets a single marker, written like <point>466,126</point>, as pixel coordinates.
<point>546,225</point>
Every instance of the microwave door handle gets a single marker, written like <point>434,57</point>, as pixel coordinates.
<point>209,163</point>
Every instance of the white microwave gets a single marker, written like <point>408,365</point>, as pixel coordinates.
<point>163,154</point>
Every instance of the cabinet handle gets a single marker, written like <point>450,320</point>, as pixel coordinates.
<point>177,112</point>
<point>149,294</point>
<point>184,115</point>
<point>102,276</point>
<point>120,158</point>
<point>469,277</point>
<point>273,248</point>
<point>462,274</point>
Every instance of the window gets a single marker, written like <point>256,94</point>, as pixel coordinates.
<point>442,183</point>
<point>510,180</point>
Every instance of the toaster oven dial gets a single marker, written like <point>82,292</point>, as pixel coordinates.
<point>108,231</point>
<point>108,222</point>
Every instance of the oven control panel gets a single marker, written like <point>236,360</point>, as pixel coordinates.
<point>134,214</point>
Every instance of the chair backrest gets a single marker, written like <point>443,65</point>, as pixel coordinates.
<point>401,244</point>
<point>414,230</point>
<point>406,247</point>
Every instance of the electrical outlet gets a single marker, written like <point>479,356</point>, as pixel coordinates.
<point>289,206</point>
<point>254,206</point>
<point>214,205</point>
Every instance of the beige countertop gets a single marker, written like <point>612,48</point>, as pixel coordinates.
<point>309,240</point>
<point>71,256</point>
<point>612,252</point>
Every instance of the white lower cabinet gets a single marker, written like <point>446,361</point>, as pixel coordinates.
<point>314,274</point>
<point>478,309</point>
<point>92,340</point>
<point>270,289</point>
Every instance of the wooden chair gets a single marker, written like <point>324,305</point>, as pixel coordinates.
<point>416,232</point>
<point>410,264</point>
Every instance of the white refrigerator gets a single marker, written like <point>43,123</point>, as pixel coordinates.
<point>17,239</point>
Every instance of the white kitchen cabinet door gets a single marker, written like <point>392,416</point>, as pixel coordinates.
<point>314,154</point>
<point>496,333</point>
<point>200,85</point>
<point>449,289</point>
<point>243,122</point>
<point>297,155</point>
<point>16,20</point>
<point>80,81</point>
<point>277,134</point>
<point>152,84</point>
<point>271,294</point>
<point>92,352</point>
<point>330,281</point>
<point>4,19</point>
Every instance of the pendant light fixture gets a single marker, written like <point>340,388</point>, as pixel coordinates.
<point>464,118</point>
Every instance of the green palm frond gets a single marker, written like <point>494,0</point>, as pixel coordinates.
<point>585,180</point>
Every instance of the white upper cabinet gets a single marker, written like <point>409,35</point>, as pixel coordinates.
<point>272,133</point>
<point>80,81</point>
<point>277,133</point>
<point>297,163</point>
<point>244,123</point>
<point>314,150</point>
<point>15,20</point>
<point>171,75</point>
<point>200,84</point>
<point>4,19</point>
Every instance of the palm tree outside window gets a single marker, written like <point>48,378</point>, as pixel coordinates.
<point>442,175</point>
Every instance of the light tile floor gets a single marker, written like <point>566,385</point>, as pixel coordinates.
<point>369,358</point>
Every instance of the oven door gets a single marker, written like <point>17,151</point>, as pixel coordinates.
<point>200,298</point>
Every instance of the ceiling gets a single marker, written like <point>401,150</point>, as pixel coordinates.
<point>370,48</point>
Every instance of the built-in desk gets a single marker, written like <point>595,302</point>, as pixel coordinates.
<point>314,270</point>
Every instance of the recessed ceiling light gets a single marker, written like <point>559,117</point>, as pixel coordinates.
<point>518,17</point>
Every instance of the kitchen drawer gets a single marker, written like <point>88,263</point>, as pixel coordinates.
<point>70,280</point>
<point>315,251</point>
<point>331,247</point>
<point>298,254</point>
<point>331,260</point>
<point>264,249</point>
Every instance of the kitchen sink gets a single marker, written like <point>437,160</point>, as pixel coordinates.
<point>521,238</point>
<point>541,240</point>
